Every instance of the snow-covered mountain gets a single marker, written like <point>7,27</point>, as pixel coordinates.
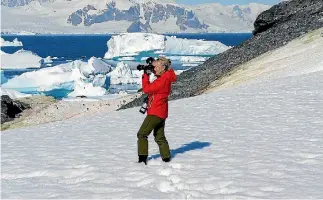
<point>109,16</point>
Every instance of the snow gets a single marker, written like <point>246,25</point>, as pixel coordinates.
<point>15,42</point>
<point>261,139</point>
<point>288,60</point>
<point>131,44</point>
<point>20,60</point>
<point>12,93</point>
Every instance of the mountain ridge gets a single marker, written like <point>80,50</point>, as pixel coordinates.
<point>110,16</point>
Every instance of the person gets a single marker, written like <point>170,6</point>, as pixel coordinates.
<point>157,109</point>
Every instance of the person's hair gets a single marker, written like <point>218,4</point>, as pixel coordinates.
<point>165,62</point>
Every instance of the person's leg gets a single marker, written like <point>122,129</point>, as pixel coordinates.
<point>161,140</point>
<point>147,126</point>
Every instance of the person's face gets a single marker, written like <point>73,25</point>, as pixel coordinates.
<point>158,68</point>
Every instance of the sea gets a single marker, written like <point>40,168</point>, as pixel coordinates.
<point>67,48</point>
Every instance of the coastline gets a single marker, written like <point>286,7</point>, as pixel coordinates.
<point>45,109</point>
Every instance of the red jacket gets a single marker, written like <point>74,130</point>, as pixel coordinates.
<point>158,92</point>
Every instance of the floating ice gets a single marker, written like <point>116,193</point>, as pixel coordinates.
<point>15,42</point>
<point>21,59</point>
<point>13,94</point>
<point>122,74</point>
<point>131,44</point>
<point>85,78</point>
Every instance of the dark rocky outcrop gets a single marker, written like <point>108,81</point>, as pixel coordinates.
<point>286,12</point>
<point>11,108</point>
<point>273,29</point>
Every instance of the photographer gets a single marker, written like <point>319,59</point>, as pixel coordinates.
<point>157,106</point>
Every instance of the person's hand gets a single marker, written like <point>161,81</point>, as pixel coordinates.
<point>148,72</point>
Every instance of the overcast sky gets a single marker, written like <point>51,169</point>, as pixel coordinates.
<point>228,2</point>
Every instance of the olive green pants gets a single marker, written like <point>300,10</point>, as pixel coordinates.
<point>157,124</point>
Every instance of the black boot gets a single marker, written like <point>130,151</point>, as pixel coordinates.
<point>166,159</point>
<point>143,159</point>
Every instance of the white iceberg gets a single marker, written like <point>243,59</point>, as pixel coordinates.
<point>15,42</point>
<point>122,74</point>
<point>48,59</point>
<point>13,94</point>
<point>46,78</point>
<point>188,59</point>
<point>182,46</point>
<point>98,66</point>
<point>60,76</point>
<point>21,59</point>
<point>131,44</point>
<point>82,88</point>
<point>85,78</point>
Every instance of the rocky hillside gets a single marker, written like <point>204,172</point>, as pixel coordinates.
<point>273,29</point>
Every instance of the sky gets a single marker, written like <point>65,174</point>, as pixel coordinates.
<point>227,2</point>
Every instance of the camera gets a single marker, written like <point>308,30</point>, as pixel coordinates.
<point>144,106</point>
<point>149,66</point>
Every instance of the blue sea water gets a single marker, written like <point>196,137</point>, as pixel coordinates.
<point>82,47</point>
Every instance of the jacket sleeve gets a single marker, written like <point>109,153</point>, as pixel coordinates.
<point>151,88</point>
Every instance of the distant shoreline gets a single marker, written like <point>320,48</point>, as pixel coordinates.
<point>109,34</point>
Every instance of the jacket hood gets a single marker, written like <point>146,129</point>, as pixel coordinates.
<point>170,75</point>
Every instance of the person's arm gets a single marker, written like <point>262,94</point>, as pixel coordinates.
<point>150,88</point>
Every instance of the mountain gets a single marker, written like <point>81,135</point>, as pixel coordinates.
<point>111,16</point>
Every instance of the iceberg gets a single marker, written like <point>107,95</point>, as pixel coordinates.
<point>21,59</point>
<point>82,78</point>
<point>188,59</point>
<point>122,74</point>
<point>14,43</point>
<point>132,44</point>
<point>82,88</point>
<point>71,75</point>
<point>182,46</point>
<point>46,78</point>
<point>13,94</point>
<point>98,66</point>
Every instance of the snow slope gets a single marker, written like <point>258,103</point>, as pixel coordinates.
<point>302,55</point>
<point>257,140</point>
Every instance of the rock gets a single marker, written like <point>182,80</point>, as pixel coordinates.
<point>284,12</point>
<point>11,108</point>
<point>81,96</point>
<point>273,29</point>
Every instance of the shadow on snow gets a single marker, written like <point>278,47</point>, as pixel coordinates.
<point>186,147</point>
